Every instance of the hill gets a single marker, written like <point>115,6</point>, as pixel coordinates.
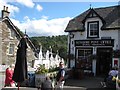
<point>57,43</point>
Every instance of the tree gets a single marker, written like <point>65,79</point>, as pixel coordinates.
<point>58,43</point>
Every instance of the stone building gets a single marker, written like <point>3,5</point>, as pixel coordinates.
<point>10,36</point>
<point>94,40</point>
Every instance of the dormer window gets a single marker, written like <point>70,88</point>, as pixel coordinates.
<point>93,29</point>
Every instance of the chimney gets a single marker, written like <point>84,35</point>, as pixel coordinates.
<point>5,12</point>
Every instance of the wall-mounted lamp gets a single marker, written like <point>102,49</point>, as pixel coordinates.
<point>71,35</point>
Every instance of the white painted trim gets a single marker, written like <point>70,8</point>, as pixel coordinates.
<point>94,67</point>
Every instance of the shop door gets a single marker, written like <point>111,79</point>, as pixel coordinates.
<point>104,61</point>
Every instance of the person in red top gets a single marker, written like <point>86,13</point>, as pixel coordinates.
<point>8,79</point>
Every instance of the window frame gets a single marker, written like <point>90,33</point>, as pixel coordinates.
<point>11,49</point>
<point>12,33</point>
<point>85,52</point>
<point>89,31</point>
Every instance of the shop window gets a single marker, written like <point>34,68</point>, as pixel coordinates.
<point>84,61</point>
<point>83,53</point>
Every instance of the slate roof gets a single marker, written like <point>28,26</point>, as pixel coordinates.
<point>109,15</point>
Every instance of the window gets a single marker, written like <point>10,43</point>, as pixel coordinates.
<point>82,53</point>
<point>92,15</point>
<point>84,62</point>
<point>93,29</point>
<point>12,34</point>
<point>11,49</point>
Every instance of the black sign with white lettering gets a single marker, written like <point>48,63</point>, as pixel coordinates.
<point>102,42</point>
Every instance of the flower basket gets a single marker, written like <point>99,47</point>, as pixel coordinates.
<point>40,75</point>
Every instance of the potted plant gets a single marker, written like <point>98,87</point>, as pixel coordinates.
<point>40,75</point>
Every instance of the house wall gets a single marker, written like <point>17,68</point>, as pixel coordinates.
<point>6,41</point>
<point>119,39</point>
<point>30,54</point>
<point>0,42</point>
<point>114,34</point>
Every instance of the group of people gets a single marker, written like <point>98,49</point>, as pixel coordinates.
<point>60,78</point>
<point>46,85</point>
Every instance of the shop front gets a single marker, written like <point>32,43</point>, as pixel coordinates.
<point>94,57</point>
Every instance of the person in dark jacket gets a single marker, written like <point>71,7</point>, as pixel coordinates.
<point>47,84</point>
<point>60,78</point>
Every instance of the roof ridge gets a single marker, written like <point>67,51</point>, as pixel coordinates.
<point>106,7</point>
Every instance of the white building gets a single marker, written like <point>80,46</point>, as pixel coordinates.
<point>93,36</point>
<point>48,59</point>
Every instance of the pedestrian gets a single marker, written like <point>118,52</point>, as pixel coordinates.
<point>47,84</point>
<point>113,72</point>
<point>8,79</point>
<point>110,81</point>
<point>60,78</point>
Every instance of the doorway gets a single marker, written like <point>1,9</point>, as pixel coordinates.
<point>104,61</point>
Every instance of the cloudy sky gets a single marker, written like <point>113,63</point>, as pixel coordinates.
<point>47,18</point>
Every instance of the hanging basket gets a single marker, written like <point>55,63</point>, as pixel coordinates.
<point>116,53</point>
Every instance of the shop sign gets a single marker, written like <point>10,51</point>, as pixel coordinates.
<point>101,42</point>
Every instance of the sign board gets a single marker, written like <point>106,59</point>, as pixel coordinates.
<point>100,42</point>
<point>115,62</point>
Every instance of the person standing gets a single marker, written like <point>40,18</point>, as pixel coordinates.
<point>114,72</point>
<point>8,79</point>
<point>60,78</point>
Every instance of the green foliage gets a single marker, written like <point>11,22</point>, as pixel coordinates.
<point>116,53</point>
<point>51,69</point>
<point>58,43</point>
<point>41,70</point>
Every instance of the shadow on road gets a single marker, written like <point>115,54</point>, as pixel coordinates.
<point>91,83</point>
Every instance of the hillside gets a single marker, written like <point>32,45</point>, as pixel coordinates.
<point>58,43</point>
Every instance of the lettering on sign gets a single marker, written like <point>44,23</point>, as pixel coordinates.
<point>102,42</point>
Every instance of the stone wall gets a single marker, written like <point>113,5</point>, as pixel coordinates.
<point>6,41</point>
<point>0,42</point>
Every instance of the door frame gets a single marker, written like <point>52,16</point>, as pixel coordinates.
<point>99,64</point>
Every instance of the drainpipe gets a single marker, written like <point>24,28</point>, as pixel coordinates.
<point>69,50</point>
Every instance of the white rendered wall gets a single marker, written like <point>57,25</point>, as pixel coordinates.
<point>114,34</point>
<point>102,33</point>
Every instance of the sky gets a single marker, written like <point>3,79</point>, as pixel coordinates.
<point>48,18</point>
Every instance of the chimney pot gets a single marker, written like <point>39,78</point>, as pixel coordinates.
<point>4,8</point>
<point>7,9</point>
<point>5,12</point>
